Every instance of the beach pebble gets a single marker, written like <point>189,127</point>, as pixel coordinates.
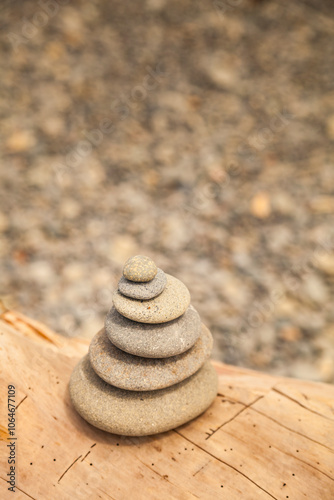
<point>170,304</point>
<point>143,291</point>
<point>154,340</point>
<point>140,269</point>
<point>135,373</point>
<point>132,413</point>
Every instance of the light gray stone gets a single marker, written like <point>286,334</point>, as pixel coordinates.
<point>154,340</point>
<point>132,413</point>
<point>170,304</point>
<point>140,268</point>
<point>134,373</point>
<point>143,291</point>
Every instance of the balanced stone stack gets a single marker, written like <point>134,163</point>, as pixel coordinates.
<point>147,370</point>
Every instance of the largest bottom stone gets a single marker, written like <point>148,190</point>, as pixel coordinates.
<point>134,413</point>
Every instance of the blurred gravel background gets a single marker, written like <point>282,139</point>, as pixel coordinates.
<point>198,133</point>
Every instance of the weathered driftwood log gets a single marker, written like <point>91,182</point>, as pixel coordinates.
<point>264,437</point>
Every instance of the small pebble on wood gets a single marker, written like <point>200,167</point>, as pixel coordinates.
<point>147,371</point>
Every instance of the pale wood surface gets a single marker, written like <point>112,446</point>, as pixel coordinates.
<point>264,437</point>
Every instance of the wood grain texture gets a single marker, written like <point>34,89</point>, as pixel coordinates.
<point>264,437</point>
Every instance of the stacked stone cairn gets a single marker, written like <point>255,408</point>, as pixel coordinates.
<point>147,370</point>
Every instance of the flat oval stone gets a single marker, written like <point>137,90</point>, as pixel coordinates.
<point>160,340</point>
<point>131,413</point>
<point>140,268</point>
<point>143,291</point>
<point>134,373</point>
<point>170,304</point>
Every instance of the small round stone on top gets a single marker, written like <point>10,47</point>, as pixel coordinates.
<point>140,269</point>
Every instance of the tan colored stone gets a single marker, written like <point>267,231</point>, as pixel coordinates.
<point>143,291</point>
<point>133,413</point>
<point>160,340</point>
<point>170,304</point>
<point>260,206</point>
<point>140,269</point>
<point>135,373</point>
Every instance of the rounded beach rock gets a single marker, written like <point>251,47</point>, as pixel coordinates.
<point>160,340</point>
<point>143,291</point>
<point>140,268</point>
<point>134,373</point>
<point>132,413</point>
<point>170,304</point>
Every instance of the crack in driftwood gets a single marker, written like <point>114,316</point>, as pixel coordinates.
<point>88,452</point>
<point>276,421</point>
<point>292,430</point>
<point>301,404</point>
<point>25,397</point>
<point>303,461</point>
<point>163,476</point>
<point>22,491</point>
<point>227,464</point>
<point>232,418</point>
<point>68,468</point>
<point>100,489</point>
<point>25,493</point>
<point>233,400</point>
<point>199,470</point>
